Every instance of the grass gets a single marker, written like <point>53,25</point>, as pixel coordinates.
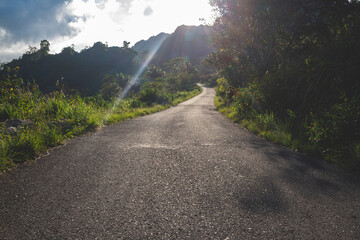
<point>264,125</point>
<point>122,113</point>
<point>55,118</point>
<point>133,113</point>
<point>269,127</point>
<point>226,109</point>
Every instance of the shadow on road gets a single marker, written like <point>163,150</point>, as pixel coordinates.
<point>286,171</point>
<point>262,197</point>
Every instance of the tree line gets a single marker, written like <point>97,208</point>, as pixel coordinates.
<point>82,71</point>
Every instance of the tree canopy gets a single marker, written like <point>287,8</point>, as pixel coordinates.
<point>83,71</point>
<point>305,54</point>
<point>296,60</point>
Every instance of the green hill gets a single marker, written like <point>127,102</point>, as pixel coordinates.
<point>82,71</point>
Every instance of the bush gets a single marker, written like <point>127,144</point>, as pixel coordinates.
<point>248,101</point>
<point>336,130</point>
<point>150,94</point>
<point>224,89</point>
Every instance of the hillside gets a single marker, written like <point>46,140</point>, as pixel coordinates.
<point>190,42</point>
<point>150,44</point>
<point>82,71</point>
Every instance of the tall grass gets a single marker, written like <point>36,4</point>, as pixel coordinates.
<point>53,118</point>
<point>133,107</point>
<point>268,126</point>
<point>265,125</point>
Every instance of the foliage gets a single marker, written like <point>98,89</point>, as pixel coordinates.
<point>224,89</point>
<point>54,117</point>
<point>207,75</point>
<point>248,100</point>
<point>112,85</point>
<point>334,130</point>
<point>81,71</point>
<point>301,60</point>
<point>180,74</point>
<point>161,85</point>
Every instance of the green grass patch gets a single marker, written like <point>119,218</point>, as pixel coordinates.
<point>54,118</point>
<point>184,95</point>
<point>264,125</point>
<point>269,127</point>
<point>125,111</point>
<point>226,109</point>
<point>133,113</point>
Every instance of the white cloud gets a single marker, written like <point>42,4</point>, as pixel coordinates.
<point>148,11</point>
<point>12,51</point>
<point>111,21</point>
<point>97,21</point>
<point>3,33</point>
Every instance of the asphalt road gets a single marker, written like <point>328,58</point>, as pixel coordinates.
<point>183,173</point>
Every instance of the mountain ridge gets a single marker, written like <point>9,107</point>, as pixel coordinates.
<point>189,42</point>
<point>151,43</point>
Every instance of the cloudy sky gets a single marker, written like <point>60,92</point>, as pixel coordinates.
<point>83,22</point>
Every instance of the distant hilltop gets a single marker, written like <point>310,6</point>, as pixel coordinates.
<point>151,43</point>
<point>190,42</point>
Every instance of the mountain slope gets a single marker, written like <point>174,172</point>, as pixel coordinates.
<point>190,42</point>
<point>150,44</point>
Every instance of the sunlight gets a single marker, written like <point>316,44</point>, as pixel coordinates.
<point>84,22</point>
<point>114,22</point>
<point>166,16</point>
<point>135,78</point>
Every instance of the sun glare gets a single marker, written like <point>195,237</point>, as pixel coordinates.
<point>135,78</point>
<point>113,22</point>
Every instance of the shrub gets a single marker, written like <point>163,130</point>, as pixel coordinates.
<point>247,101</point>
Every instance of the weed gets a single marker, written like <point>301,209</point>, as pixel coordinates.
<point>56,117</point>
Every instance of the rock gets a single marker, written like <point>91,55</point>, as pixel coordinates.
<point>18,123</point>
<point>62,124</point>
<point>11,130</point>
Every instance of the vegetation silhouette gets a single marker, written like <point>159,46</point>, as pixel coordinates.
<point>81,71</point>
<point>295,62</point>
<point>48,98</point>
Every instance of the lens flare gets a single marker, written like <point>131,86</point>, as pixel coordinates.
<point>136,77</point>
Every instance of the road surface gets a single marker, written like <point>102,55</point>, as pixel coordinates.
<point>183,173</point>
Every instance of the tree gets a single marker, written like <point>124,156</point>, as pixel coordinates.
<point>298,51</point>
<point>32,49</point>
<point>109,87</point>
<point>181,74</point>
<point>112,85</point>
<point>154,72</point>
<point>126,44</point>
<point>298,60</point>
<point>45,47</point>
<point>82,71</point>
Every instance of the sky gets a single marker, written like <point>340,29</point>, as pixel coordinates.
<point>81,23</point>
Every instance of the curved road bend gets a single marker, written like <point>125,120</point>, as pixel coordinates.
<point>184,173</point>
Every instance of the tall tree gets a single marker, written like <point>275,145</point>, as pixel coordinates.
<point>45,47</point>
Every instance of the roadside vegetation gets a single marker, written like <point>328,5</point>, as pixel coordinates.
<point>290,73</point>
<point>32,121</point>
